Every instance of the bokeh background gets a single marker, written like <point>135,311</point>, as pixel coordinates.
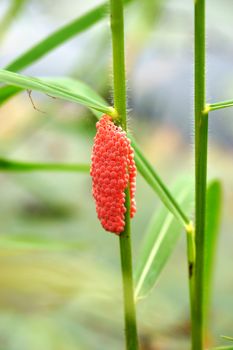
<point>60,284</point>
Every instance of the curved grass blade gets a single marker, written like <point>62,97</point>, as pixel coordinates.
<point>11,165</point>
<point>50,43</point>
<point>53,41</point>
<point>57,38</point>
<point>55,88</point>
<point>161,237</point>
<point>223,348</point>
<point>153,179</point>
<point>25,242</point>
<point>220,105</point>
<point>227,337</point>
<point>16,6</point>
<point>213,215</point>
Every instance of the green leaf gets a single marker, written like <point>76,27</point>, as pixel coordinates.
<point>36,242</point>
<point>53,41</point>
<point>220,105</point>
<point>155,182</point>
<point>57,38</point>
<point>14,9</point>
<point>59,88</point>
<point>227,337</point>
<point>213,214</point>
<point>161,237</point>
<point>223,348</point>
<point>11,165</point>
<point>50,43</point>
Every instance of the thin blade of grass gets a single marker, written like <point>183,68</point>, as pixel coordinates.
<point>223,348</point>
<point>161,237</point>
<point>26,242</point>
<point>15,166</point>
<point>55,88</point>
<point>57,38</point>
<point>227,337</point>
<point>53,41</point>
<point>152,178</point>
<point>213,214</point>
<point>14,9</point>
<point>220,105</point>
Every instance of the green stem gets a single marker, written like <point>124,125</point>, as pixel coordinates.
<point>131,337</point>
<point>191,256</point>
<point>117,27</point>
<point>10,165</point>
<point>201,143</point>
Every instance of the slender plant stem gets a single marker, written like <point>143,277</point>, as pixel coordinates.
<point>117,27</point>
<point>201,143</point>
<point>191,256</point>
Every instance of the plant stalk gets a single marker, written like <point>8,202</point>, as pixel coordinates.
<point>201,143</point>
<point>117,27</point>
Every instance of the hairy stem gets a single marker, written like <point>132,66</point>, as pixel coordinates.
<point>117,27</point>
<point>201,141</point>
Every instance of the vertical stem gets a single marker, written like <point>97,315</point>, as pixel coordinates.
<point>131,337</point>
<point>191,255</point>
<point>201,140</point>
<point>117,26</point>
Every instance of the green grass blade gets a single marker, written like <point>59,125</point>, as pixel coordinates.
<point>223,348</point>
<point>213,213</point>
<point>161,237</point>
<point>36,242</point>
<point>15,8</point>
<point>152,178</point>
<point>220,105</point>
<point>227,337</point>
<point>53,41</point>
<point>50,43</point>
<point>57,88</point>
<point>58,38</point>
<point>15,166</point>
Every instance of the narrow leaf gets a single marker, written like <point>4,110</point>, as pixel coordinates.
<point>213,213</point>
<point>227,337</point>
<point>220,105</point>
<point>14,9</point>
<point>54,88</point>
<point>10,165</point>
<point>57,38</point>
<point>53,41</point>
<point>161,237</point>
<point>223,348</point>
<point>155,182</point>
<point>36,242</point>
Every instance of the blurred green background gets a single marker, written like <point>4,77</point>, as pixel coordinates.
<point>60,284</point>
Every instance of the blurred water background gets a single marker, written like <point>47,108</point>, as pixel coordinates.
<point>66,294</point>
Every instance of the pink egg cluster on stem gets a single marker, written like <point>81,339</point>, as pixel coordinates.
<point>113,170</point>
